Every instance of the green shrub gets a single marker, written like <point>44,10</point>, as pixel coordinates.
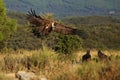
<point>68,44</point>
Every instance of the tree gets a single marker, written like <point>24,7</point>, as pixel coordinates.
<point>7,25</point>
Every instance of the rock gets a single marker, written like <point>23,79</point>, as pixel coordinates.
<point>22,75</point>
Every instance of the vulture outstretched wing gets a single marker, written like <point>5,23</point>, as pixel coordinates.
<point>35,19</point>
<point>46,26</point>
<point>60,28</point>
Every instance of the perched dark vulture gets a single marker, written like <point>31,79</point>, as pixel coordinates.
<point>102,55</point>
<point>46,26</point>
<point>87,56</point>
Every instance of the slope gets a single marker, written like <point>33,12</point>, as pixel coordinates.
<point>67,7</point>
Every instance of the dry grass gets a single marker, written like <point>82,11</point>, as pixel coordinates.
<point>5,77</point>
<point>61,67</point>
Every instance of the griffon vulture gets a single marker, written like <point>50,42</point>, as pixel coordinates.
<point>46,26</point>
<point>86,56</point>
<point>102,56</point>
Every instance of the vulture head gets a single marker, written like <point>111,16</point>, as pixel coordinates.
<point>46,26</point>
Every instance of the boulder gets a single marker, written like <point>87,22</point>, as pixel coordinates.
<point>22,75</point>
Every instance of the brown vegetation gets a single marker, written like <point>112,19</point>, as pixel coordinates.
<point>59,66</point>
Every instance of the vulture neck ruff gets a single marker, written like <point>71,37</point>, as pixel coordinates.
<point>53,26</point>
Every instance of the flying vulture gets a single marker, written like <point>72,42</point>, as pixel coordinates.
<point>46,26</point>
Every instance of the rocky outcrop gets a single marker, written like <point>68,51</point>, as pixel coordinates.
<point>22,75</point>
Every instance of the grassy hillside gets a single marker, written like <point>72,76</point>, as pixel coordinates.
<point>96,32</point>
<point>66,7</point>
<point>91,20</point>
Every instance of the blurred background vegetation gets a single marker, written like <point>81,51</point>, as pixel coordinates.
<point>62,8</point>
<point>97,32</point>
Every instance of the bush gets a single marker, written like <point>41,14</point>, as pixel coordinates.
<point>68,44</point>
